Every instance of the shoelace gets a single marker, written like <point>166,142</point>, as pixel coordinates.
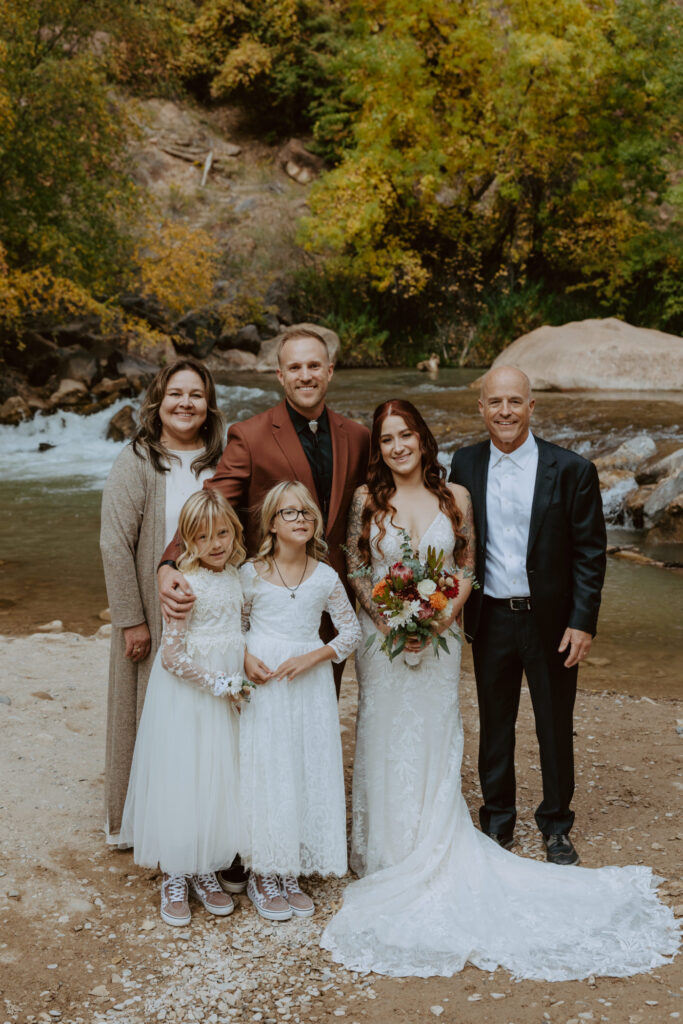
<point>175,889</point>
<point>208,882</point>
<point>270,887</point>
<point>290,884</point>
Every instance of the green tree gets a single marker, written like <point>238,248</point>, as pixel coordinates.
<point>504,144</point>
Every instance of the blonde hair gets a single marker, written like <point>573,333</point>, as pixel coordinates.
<point>316,547</point>
<point>206,510</point>
<point>300,332</point>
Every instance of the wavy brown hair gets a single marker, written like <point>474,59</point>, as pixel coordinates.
<point>380,480</point>
<point>147,439</point>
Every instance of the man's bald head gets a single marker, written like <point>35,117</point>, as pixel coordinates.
<point>506,405</point>
<point>505,376</point>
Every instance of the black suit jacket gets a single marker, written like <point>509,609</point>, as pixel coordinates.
<point>566,552</point>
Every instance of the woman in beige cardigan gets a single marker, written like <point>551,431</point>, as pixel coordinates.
<point>177,446</point>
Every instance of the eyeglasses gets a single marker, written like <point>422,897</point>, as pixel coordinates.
<point>290,515</point>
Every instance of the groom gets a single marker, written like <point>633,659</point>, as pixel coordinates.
<point>298,439</point>
<point>540,564</point>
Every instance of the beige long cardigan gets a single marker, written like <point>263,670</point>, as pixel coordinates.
<point>132,542</point>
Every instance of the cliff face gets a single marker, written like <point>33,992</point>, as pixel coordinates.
<point>200,171</point>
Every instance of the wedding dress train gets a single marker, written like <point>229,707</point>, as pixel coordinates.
<point>436,893</point>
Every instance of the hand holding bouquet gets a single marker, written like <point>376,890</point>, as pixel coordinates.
<point>415,598</point>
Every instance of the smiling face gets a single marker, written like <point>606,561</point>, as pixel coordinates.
<point>183,411</point>
<point>400,446</point>
<point>215,547</point>
<point>506,405</point>
<point>305,372</point>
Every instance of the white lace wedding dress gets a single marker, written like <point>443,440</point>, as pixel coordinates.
<point>436,893</point>
<point>290,747</point>
<point>182,808</point>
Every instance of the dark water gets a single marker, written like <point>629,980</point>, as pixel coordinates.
<point>49,556</point>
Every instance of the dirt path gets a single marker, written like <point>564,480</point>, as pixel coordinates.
<point>80,935</point>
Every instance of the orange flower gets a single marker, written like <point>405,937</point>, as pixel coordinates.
<point>379,588</point>
<point>438,600</point>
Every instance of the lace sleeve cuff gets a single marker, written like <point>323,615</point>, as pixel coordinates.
<point>345,622</point>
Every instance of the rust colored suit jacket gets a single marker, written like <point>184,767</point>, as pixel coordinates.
<point>264,450</point>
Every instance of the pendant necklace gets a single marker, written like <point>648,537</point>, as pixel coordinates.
<point>292,590</point>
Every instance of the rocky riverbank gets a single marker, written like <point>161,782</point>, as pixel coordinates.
<point>81,940</point>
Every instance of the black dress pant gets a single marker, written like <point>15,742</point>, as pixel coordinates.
<point>507,643</point>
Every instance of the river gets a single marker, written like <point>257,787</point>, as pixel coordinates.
<point>49,507</point>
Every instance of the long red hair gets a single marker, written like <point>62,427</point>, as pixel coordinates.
<point>380,480</point>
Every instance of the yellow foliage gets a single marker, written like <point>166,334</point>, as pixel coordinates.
<point>177,266</point>
<point>242,64</point>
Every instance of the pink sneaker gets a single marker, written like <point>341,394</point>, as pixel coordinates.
<point>264,893</point>
<point>175,907</point>
<point>208,891</point>
<point>302,905</point>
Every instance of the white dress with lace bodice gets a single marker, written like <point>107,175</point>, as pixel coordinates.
<point>182,809</point>
<point>435,892</point>
<point>290,747</point>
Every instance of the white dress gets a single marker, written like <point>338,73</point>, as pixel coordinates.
<point>436,892</point>
<point>182,807</point>
<point>290,746</point>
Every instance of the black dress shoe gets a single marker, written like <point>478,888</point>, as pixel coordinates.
<point>504,839</point>
<point>559,849</point>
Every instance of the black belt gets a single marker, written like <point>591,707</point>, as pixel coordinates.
<point>515,604</point>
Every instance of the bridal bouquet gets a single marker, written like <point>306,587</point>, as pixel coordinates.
<point>414,598</point>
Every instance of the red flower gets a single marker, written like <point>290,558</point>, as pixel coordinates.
<point>401,575</point>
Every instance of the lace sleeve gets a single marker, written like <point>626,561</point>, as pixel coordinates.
<point>345,622</point>
<point>175,659</point>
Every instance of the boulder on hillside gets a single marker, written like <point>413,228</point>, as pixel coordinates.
<point>652,470</point>
<point>628,456</point>
<point>598,354</point>
<point>669,529</point>
<point>79,364</point>
<point>68,394</point>
<point>14,410</point>
<point>122,425</point>
<point>267,362</point>
<point>299,163</point>
<point>37,358</point>
<point>197,333</point>
<point>247,339</point>
<point>231,360</point>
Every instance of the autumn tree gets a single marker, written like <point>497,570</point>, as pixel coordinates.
<point>511,143</point>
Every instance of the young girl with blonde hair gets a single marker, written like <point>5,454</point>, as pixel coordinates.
<point>290,748</point>
<point>182,807</point>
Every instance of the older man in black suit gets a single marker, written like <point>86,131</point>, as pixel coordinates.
<point>541,565</point>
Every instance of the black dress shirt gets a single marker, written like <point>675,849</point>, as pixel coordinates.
<point>318,450</point>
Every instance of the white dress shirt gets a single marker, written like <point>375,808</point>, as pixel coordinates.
<point>509,497</point>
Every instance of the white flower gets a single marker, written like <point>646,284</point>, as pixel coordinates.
<point>426,588</point>
<point>403,617</point>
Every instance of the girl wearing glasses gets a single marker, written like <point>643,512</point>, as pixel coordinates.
<point>290,749</point>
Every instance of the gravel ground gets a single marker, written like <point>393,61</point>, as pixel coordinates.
<point>80,935</point>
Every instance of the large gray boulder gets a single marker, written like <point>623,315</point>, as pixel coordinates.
<point>598,355</point>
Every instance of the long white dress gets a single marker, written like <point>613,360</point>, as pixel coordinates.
<point>290,746</point>
<point>182,808</point>
<point>436,892</point>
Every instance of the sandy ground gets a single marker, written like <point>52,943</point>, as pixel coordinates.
<point>80,935</point>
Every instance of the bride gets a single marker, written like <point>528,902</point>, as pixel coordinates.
<point>434,892</point>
